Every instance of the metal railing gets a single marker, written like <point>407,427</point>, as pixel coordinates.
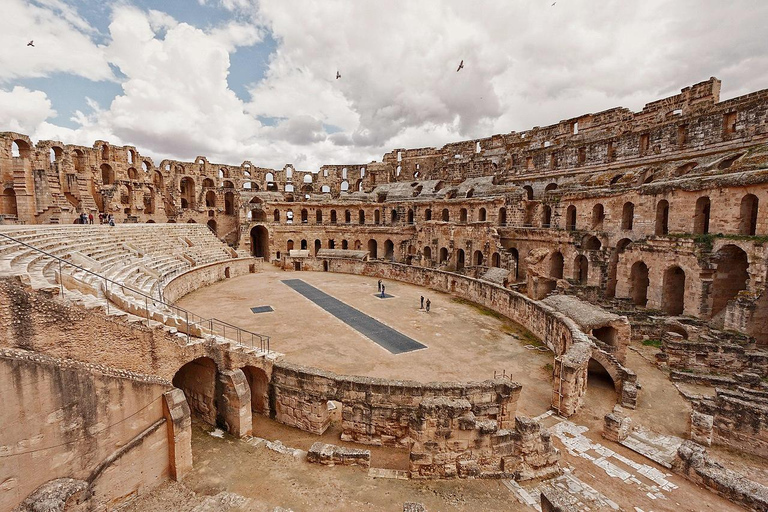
<point>189,320</point>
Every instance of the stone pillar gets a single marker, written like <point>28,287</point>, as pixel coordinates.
<point>617,425</point>
<point>179,427</point>
<point>701,428</point>
<point>233,403</point>
<point>570,379</point>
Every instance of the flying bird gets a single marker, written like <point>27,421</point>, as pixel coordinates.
<point>553,4</point>
<point>31,43</point>
<point>338,75</point>
<point>461,66</point>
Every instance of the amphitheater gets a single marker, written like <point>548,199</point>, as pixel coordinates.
<point>597,337</point>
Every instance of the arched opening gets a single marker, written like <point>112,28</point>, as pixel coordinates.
<point>389,250</point>
<point>260,242</point>
<point>581,269</point>
<point>289,246</point>
<point>428,214</point>
<point>304,245</point>
<point>318,246</point>
<point>463,216</point>
<point>599,380</point>
<point>748,215</point>
<point>9,207</point>
<point>673,292</point>
<point>319,217</point>
<point>481,215</point>
<point>528,192</point>
<point>731,276</point>
<point>606,334</point>
<point>373,249</point>
<point>628,216</point>
<point>276,216</point>
<point>376,217</point>
<point>592,243</point>
<point>662,217</point>
<point>443,256</point>
<point>345,245</point>
<point>107,174</point>
<point>701,216</point>
<point>208,183</point>
<point>198,381</point>
<point>638,283</point>
<point>212,226</point>
<point>333,217</point>
<point>393,216</point>
<point>304,216</point>
<point>460,259</point>
<point>259,384</point>
<point>556,265</point>
<point>187,188</point>
<point>361,217</point>
<point>229,203</point>
<point>347,217</point>
<point>477,258</point>
<point>445,215</point>
<point>502,216</point>
<point>598,216</point>
<point>427,253</point>
<point>551,187</point>
<point>546,216</point>
<point>210,199</point>
<point>410,216</point>
<point>157,179</point>
<point>496,260</point>
<point>570,218</point>
<point>20,149</point>
<point>515,256</point>
<point>358,245</point>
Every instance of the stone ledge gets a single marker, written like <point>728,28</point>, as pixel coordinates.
<point>331,455</point>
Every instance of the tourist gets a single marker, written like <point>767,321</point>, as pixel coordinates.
<point>90,218</point>
<point>428,304</point>
<point>422,302</point>
<point>111,220</point>
<point>382,291</point>
<point>378,285</point>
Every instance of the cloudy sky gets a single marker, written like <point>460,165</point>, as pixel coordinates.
<point>250,79</point>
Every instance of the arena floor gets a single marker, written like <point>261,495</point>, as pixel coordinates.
<point>462,343</point>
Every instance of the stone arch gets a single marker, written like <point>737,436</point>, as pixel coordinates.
<point>701,216</point>
<point>598,216</point>
<point>361,217</point>
<point>748,215</point>
<point>496,260</point>
<point>546,216</point>
<point>373,248</point>
<point>570,218</point>
<point>528,192</point>
<point>731,276</point>
<point>318,216</point>
<point>673,291</point>
<point>599,376</point>
<point>8,206</point>
<point>198,381</point>
<point>477,258</point>
<point>638,283</point>
<point>460,257</point>
<point>304,216</point>
<point>481,215</point>
<point>318,246</point>
<point>662,218</point>
<point>592,243</point>
<point>445,215</point>
<point>410,216</point>
<point>628,216</point>
<point>376,217</point>
<point>229,203</point>
<point>550,187</point>
<point>389,250</point>
<point>463,216</point>
<point>515,255</point>
<point>212,226</point>
<point>333,217</point>
<point>347,217</point>
<point>107,174</point>
<point>187,189</point>
<point>260,242</point>
<point>556,264</point>
<point>289,246</point>
<point>581,269</point>
<point>443,255</point>
<point>428,214</point>
<point>20,149</point>
<point>276,215</point>
<point>208,183</point>
<point>210,199</point>
<point>427,253</point>
<point>259,384</point>
<point>502,216</point>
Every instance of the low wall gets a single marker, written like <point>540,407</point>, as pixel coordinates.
<point>708,355</point>
<point>738,419</point>
<point>60,421</point>
<point>205,275</point>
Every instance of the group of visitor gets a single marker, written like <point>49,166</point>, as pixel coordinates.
<point>87,218</point>
<point>107,219</point>
<point>424,305</point>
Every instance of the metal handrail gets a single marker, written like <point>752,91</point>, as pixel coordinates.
<point>264,341</point>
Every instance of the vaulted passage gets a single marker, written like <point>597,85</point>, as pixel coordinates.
<point>730,278</point>
<point>260,242</point>
<point>556,265</point>
<point>198,381</point>
<point>639,281</point>
<point>259,384</point>
<point>673,298</point>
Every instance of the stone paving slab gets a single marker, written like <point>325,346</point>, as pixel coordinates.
<point>383,335</point>
<point>262,309</point>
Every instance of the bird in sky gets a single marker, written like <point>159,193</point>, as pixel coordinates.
<point>553,4</point>
<point>461,66</point>
<point>31,43</point>
<point>338,75</point>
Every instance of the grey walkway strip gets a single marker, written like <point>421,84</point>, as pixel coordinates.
<point>383,335</point>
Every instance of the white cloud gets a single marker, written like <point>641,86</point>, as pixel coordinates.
<point>22,110</point>
<point>62,43</point>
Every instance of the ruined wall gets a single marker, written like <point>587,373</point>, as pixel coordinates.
<point>59,420</point>
<point>205,275</point>
<point>733,418</point>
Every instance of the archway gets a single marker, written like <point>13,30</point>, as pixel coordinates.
<point>570,218</point>
<point>187,189</point>
<point>259,384</point>
<point>477,258</point>
<point>502,216</point>
<point>445,215</point>
<point>748,215</point>
<point>546,215</point>
<point>638,283</point>
<point>107,174</point>
<point>427,253</point>
<point>260,242</point>
<point>210,199</point>
<point>701,217</point>
<point>673,293</point>
<point>628,216</point>
<point>556,265</point>
<point>599,381</point>
<point>515,255</point>
<point>389,250</point>
<point>318,246</point>
<point>598,216</point>
<point>372,249</point>
<point>460,259</point>
<point>731,276</point>
<point>496,260</point>
<point>443,255</point>
<point>581,269</point>
<point>9,206</point>
<point>212,226</point>
<point>198,381</point>
<point>662,217</point>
